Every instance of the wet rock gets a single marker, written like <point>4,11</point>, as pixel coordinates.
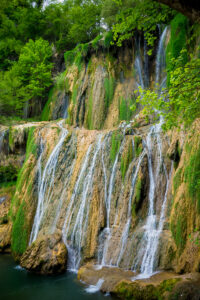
<point>47,255</point>
<point>90,274</point>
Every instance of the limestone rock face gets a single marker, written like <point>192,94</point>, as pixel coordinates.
<point>47,255</point>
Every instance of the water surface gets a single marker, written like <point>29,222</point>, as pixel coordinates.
<point>18,284</point>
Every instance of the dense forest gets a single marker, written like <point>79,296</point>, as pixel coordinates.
<point>34,37</point>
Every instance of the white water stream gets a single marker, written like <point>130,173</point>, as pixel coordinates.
<point>46,182</point>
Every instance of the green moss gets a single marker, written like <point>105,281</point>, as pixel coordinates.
<point>192,177</point>
<point>168,285</point>
<point>108,39</point>
<point>74,93</point>
<point>76,55</point>
<point>19,238</point>
<point>126,159</point>
<point>178,229</point>
<point>125,113</point>
<point>10,138</point>
<point>137,198</point>
<point>60,81</point>
<point>46,113</point>
<point>132,291</point>
<point>23,176</point>
<point>179,29</point>
<point>115,145</point>
<point>177,180</point>
<point>138,145</point>
<point>109,85</point>
<point>95,42</point>
<point>89,115</point>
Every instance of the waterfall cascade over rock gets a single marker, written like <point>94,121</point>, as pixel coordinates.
<point>104,182</point>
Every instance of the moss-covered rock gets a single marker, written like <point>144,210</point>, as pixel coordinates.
<point>47,255</point>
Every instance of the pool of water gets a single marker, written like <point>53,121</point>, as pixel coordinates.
<point>18,284</point>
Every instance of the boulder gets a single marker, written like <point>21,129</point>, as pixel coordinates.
<point>47,255</point>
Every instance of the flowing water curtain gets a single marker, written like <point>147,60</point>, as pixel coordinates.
<point>76,219</point>
<point>46,182</point>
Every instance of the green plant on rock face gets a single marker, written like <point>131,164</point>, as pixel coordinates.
<point>109,85</point>
<point>178,229</point>
<point>95,42</point>
<point>125,111</point>
<point>108,39</point>
<point>138,145</point>
<point>60,81</point>
<point>74,93</point>
<point>89,115</point>
<point>126,159</point>
<point>19,239</point>
<point>179,29</point>
<point>177,180</point>
<point>196,240</point>
<point>76,55</point>
<point>46,113</point>
<point>115,145</point>
<point>192,177</point>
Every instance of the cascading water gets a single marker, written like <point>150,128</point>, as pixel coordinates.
<point>108,230</point>
<point>126,229</point>
<point>2,134</point>
<point>74,239</point>
<point>152,232</point>
<point>73,200</point>
<point>46,182</point>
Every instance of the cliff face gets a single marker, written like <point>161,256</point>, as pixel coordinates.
<point>97,91</point>
<point>100,180</point>
<point>121,194</point>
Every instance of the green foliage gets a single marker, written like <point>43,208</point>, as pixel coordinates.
<point>192,177</point>
<point>137,145</point>
<point>28,79</point>
<point>180,103</point>
<point>95,42</point>
<point>115,145</point>
<point>8,173</point>
<point>109,85</point>
<point>178,39</point>
<point>126,159</point>
<point>141,15</point>
<point>76,55</point>
<point>125,112</point>
<point>19,239</point>
<point>45,116</point>
<point>108,39</point>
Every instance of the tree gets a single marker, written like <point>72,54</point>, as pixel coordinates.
<point>143,15</point>
<point>29,79</point>
<point>180,102</point>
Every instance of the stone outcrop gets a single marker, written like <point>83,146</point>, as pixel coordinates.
<point>125,285</point>
<point>47,255</point>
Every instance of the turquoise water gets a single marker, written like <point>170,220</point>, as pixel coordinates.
<point>18,284</point>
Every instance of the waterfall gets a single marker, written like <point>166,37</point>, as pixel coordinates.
<point>2,134</point>
<point>160,57</point>
<point>107,233</point>
<point>124,237</point>
<point>46,182</point>
<point>153,230</point>
<point>74,244</point>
